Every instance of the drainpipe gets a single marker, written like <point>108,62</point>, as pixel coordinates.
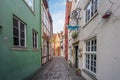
<point>40,31</point>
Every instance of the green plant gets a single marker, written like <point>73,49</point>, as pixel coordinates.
<point>70,63</point>
<point>78,71</point>
<point>74,34</point>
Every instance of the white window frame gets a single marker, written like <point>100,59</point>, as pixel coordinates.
<point>90,55</point>
<point>35,39</point>
<point>91,10</point>
<point>19,32</point>
<point>30,4</point>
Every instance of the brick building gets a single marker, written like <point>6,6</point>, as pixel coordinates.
<point>65,32</point>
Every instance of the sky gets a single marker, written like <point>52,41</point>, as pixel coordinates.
<point>57,10</point>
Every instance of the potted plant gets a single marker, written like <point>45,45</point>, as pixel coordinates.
<point>74,34</point>
<point>78,71</point>
<point>70,63</point>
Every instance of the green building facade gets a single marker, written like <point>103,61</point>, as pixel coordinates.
<point>20,38</point>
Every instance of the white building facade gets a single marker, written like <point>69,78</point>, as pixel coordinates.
<point>96,47</point>
<point>47,32</point>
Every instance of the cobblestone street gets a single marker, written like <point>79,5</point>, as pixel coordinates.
<point>57,69</point>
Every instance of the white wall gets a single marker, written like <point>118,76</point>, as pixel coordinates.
<point>107,33</point>
<point>70,40</point>
<point>108,57</point>
<point>108,46</point>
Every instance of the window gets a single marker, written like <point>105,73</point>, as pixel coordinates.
<point>30,3</point>
<point>19,33</point>
<point>35,39</point>
<point>90,63</point>
<point>91,9</point>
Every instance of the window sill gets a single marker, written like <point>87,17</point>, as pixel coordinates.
<point>90,20</point>
<point>92,76</point>
<point>35,49</point>
<point>19,48</point>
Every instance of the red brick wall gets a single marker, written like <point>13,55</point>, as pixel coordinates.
<point>67,17</point>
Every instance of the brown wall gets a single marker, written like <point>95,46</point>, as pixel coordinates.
<point>56,44</point>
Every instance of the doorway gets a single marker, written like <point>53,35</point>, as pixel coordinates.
<point>48,51</point>
<point>76,56</point>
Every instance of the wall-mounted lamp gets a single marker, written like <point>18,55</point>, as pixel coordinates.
<point>69,46</point>
<point>107,14</point>
<point>0,27</point>
<point>80,49</point>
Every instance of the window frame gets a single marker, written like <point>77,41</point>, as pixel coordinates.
<point>19,33</point>
<point>28,4</point>
<point>90,63</point>
<point>91,10</point>
<point>35,38</point>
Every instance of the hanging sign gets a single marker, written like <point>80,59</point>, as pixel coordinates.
<point>72,27</point>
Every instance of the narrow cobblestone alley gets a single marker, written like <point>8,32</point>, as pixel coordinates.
<point>57,69</point>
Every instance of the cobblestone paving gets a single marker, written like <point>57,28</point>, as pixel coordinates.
<point>57,69</point>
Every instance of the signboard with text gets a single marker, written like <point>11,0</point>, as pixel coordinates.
<point>72,27</point>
